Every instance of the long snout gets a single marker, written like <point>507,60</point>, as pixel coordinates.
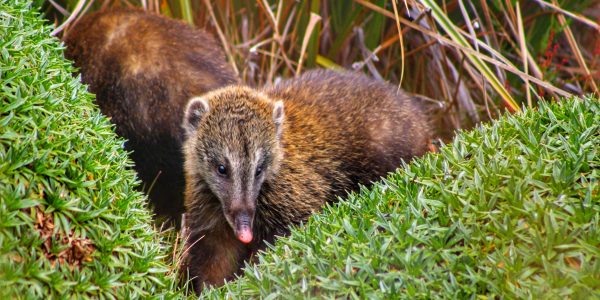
<point>243,226</point>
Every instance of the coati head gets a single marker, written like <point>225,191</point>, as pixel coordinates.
<point>233,146</point>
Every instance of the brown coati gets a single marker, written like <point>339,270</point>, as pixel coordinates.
<point>144,68</point>
<point>257,161</point>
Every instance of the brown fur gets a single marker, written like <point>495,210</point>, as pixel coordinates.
<point>143,69</point>
<point>339,130</point>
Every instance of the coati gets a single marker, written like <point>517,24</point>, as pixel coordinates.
<point>257,161</point>
<point>144,68</point>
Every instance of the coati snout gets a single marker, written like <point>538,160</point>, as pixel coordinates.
<point>235,151</point>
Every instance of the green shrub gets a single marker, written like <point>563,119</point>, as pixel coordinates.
<point>71,222</point>
<point>509,210</point>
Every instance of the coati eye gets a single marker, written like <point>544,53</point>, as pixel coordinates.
<point>221,169</point>
<point>258,170</point>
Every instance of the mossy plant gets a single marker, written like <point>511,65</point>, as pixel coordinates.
<point>72,223</point>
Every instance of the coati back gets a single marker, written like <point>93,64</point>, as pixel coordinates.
<point>258,161</point>
<point>143,69</point>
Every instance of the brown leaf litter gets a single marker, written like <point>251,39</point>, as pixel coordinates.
<point>75,251</point>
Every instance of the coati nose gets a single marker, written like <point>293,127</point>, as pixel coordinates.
<point>243,227</point>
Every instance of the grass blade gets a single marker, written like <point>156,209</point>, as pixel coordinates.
<point>576,51</point>
<point>314,19</point>
<point>451,30</point>
<point>524,52</point>
<point>186,11</point>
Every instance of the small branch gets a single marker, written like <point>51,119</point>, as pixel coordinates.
<point>70,19</point>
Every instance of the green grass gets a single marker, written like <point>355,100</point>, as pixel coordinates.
<point>509,210</point>
<point>71,222</point>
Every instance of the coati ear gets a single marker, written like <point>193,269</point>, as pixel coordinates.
<point>278,116</point>
<point>194,111</point>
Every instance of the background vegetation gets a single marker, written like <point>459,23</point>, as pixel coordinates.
<point>475,58</point>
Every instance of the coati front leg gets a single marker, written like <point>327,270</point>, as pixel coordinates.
<point>216,256</point>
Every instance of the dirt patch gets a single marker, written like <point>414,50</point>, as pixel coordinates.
<point>61,248</point>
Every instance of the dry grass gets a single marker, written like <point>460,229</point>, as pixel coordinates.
<point>478,59</point>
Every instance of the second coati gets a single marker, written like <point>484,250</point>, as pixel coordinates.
<point>144,68</point>
<point>258,161</point>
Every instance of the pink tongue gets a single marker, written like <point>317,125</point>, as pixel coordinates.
<point>244,235</point>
